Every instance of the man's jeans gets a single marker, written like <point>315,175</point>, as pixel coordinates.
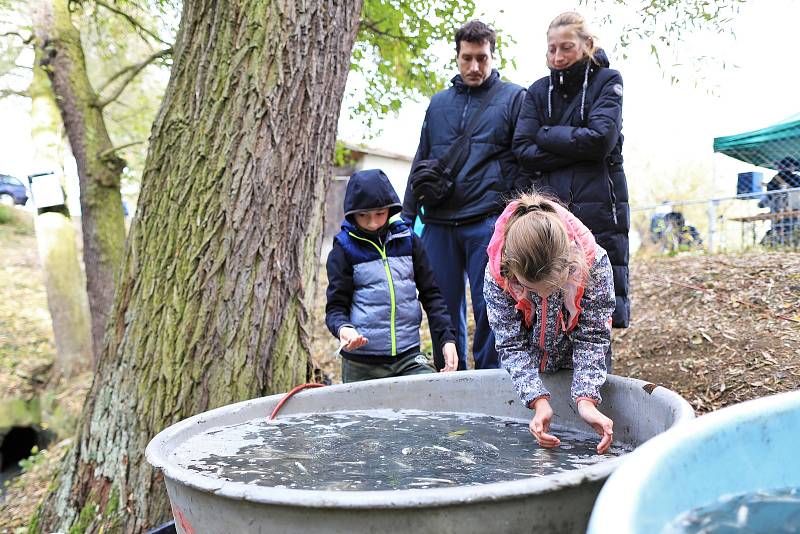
<point>458,253</point>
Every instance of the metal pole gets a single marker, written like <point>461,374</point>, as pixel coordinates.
<point>712,223</point>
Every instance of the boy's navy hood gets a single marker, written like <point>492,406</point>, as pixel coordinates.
<point>370,190</point>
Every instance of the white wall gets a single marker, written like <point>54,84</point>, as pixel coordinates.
<point>396,169</point>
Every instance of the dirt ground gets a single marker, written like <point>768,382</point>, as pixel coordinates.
<point>717,329</point>
<point>26,340</point>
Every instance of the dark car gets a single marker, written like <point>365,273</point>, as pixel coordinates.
<point>12,191</point>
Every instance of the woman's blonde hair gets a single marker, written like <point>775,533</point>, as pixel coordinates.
<point>537,247</point>
<point>577,23</point>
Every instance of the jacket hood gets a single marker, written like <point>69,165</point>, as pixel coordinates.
<point>460,86</point>
<point>370,190</point>
<point>601,58</point>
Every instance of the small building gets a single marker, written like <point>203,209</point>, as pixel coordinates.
<point>396,166</point>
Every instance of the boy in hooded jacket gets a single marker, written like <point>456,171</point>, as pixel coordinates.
<point>378,275</point>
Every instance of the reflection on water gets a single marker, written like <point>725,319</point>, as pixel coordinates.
<point>762,512</point>
<point>383,450</point>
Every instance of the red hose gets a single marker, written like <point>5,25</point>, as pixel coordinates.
<point>286,397</point>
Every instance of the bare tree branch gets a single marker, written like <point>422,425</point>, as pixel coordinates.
<point>127,75</point>
<point>371,26</point>
<point>133,22</point>
<point>110,151</point>
<point>5,93</point>
<point>25,40</point>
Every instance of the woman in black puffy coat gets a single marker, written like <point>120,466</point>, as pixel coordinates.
<point>569,136</point>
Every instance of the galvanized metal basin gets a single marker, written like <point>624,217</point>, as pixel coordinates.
<point>740,449</point>
<point>561,502</point>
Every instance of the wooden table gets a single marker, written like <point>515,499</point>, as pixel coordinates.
<point>772,216</point>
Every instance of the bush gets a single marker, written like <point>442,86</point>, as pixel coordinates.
<point>15,221</point>
<point>6,215</point>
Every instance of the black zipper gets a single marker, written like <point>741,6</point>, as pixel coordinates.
<point>613,199</point>
<point>466,106</point>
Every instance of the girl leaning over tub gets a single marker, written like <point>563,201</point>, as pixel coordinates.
<point>549,294</point>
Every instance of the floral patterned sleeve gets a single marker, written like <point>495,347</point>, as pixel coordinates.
<point>593,332</point>
<point>517,355</point>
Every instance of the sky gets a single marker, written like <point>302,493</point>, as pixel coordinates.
<point>669,129</point>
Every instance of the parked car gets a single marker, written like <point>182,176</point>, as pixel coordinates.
<point>12,191</point>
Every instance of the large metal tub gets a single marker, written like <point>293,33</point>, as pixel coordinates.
<point>740,449</point>
<point>560,503</point>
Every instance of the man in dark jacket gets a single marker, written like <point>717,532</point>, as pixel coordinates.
<point>457,231</point>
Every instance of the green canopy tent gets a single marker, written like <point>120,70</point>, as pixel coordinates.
<point>764,147</point>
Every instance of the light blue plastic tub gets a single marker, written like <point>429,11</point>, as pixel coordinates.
<point>740,449</point>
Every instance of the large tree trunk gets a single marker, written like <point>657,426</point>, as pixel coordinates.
<point>215,293</point>
<point>55,237</point>
<point>99,168</point>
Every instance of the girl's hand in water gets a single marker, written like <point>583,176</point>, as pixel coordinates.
<point>540,424</point>
<point>351,338</point>
<point>450,357</point>
<point>601,424</point>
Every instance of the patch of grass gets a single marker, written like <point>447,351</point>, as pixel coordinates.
<point>30,462</point>
<point>15,221</point>
<point>6,215</point>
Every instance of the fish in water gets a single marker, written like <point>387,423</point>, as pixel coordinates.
<point>373,450</point>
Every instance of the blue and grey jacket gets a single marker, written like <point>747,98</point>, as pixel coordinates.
<point>373,278</point>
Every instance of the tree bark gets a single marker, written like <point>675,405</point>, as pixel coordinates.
<point>216,289</point>
<point>55,237</point>
<point>99,169</point>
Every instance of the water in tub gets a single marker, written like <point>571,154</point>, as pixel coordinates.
<point>761,512</point>
<point>383,450</point>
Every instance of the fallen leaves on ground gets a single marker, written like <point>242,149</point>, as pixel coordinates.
<point>26,338</point>
<point>717,329</point>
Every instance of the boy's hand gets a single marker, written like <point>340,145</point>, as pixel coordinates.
<point>540,424</point>
<point>601,424</point>
<point>351,338</point>
<point>450,357</point>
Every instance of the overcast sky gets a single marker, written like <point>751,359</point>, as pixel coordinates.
<point>665,125</point>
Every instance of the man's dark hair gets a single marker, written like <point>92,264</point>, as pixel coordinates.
<point>475,31</point>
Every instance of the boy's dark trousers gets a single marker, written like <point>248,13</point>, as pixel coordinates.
<point>456,253</point>
<point>356,371</point>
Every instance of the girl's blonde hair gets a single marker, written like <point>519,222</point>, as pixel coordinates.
<point>537,247</point>
<point>577,23</point>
